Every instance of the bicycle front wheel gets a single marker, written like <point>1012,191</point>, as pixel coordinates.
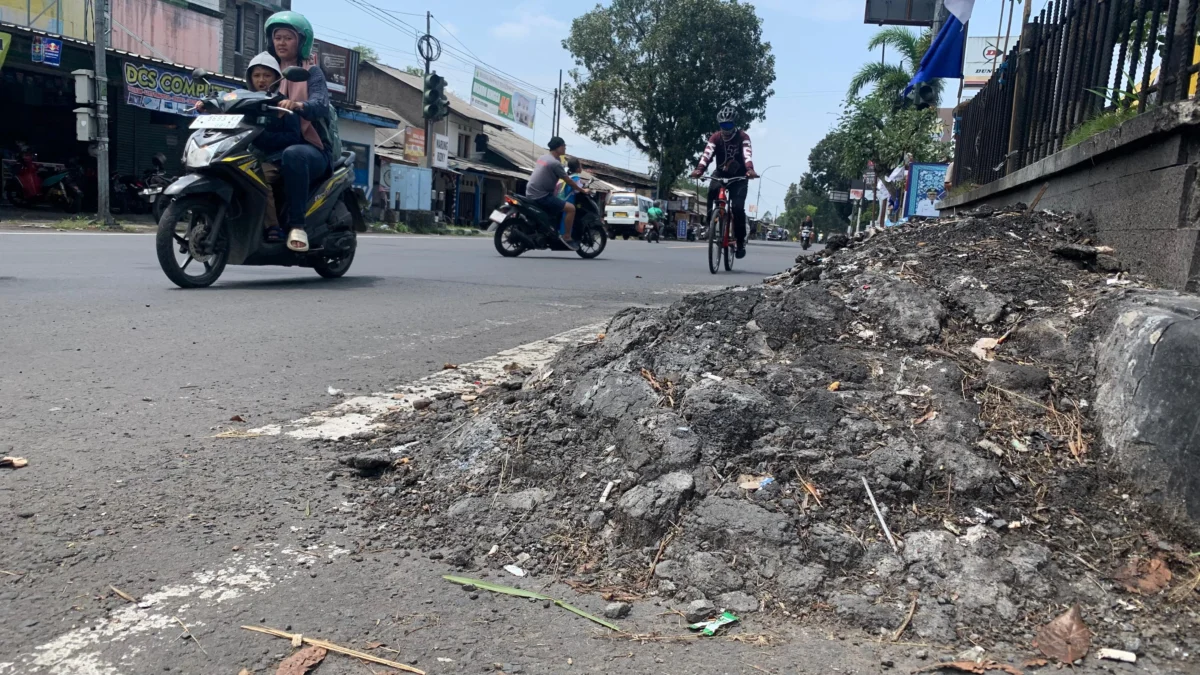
<point>716,242</point>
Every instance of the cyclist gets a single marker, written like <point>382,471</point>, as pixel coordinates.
<point>730,151</point>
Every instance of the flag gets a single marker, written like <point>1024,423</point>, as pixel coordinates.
<point>945,56</point>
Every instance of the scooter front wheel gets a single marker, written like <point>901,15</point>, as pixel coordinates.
<point>182,232</point>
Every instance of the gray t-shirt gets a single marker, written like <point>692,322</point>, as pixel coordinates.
<point>544,180</point>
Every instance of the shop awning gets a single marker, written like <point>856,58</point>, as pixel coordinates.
<point>486,169</point>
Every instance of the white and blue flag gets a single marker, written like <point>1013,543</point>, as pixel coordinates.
<point>945,56</point>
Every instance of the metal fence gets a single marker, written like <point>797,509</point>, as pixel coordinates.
<point>1076,61</point>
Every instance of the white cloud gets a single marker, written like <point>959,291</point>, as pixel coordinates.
<point>528,25</point>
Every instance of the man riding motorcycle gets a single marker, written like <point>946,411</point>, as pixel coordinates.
<point>543,186</point>
<point>729,149</point>
<point>806,230</point>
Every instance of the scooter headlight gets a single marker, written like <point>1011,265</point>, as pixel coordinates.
<point>199,156</point>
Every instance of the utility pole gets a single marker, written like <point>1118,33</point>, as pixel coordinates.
<point>428,124</point>
<point>103,213</point>
<point>554,118</point>
<point>558,106</point>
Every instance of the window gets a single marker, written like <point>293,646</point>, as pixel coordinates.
<point>622,200</point>
<point>464,145</point>
<point>239,32</point>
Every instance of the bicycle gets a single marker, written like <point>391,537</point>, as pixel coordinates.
<point>721,241</point>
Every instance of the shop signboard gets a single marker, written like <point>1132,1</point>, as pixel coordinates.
<point>5,42</point>
<point>981,60</point>
<point>414,143</point>
<point>169,91</point>
<point>46,50</point>
<point>340,66</point>
<point>441,151</point>
<point>499,97</point>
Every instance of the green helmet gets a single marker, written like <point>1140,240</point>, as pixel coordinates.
<point>295,21</point>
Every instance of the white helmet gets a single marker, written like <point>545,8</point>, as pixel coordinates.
<point>727,114</point>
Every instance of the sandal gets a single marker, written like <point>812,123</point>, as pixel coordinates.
<point>276,234</point>
<point>298,240</point>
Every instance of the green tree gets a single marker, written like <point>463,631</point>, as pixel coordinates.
<point>890,79</point>
<point>413,70</point>
<point>873,130</point>
<point>656,72</point>
<point>367,53</point>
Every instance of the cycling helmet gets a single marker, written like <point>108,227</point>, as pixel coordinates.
<point>296,22</point>
<point>727,115</point>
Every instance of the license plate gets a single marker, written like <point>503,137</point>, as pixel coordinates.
<point>498,217</point>
<point>217,122</point>
<point>620,215</point>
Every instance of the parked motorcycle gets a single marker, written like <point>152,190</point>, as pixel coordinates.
<point>26,187</point>
<point>521,225</point>
<point>155,182</point>
<point>125,195</point>
<point>215,214</point>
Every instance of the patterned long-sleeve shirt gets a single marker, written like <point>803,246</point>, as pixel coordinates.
<point>733,157</point>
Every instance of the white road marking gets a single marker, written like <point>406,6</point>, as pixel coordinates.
<point>80,650</point>
<point>360,414</point>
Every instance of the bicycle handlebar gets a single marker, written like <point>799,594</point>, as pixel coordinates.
<point>726,181</point>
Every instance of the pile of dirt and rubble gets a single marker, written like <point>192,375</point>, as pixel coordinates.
<point>720,451</point>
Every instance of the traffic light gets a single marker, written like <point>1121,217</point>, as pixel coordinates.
<point>923,96</point>
<point>437,106</point>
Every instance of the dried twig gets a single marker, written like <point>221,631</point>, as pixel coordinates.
<point>662,546</point>
<point>907,620</point>
<point>124,596</point>
<point>810,488</point>
<point>324,644</point>
<point>879,514</point>
<point>188,631</point>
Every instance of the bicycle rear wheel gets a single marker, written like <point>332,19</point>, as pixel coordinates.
<point>715,241</point>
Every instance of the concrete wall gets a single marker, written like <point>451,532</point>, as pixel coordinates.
<point>1138,182</point>
<point>180,35</point>
<point>65,17</point>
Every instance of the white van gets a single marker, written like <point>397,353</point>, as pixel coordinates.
<point>627,214</point>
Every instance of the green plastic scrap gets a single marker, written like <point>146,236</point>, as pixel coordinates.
<point>521,593</point>
<point>710,628</point>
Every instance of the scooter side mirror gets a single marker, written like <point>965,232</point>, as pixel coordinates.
<point>296,74</point>
<point>199,74</point>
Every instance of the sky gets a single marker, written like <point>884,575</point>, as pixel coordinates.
<point>818,46</point>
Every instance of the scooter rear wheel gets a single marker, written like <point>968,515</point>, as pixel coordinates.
<point>186,220</point>
<point>507,245</point>
<point>334,269</point>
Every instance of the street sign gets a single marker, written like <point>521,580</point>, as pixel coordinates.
<point>839,196</point>
<point>901,12</point>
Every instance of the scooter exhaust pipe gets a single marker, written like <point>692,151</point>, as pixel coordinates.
<point>522,237</point>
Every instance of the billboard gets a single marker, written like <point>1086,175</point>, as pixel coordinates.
<point>901,12</point>
<point>169,91</point>
<point>981,59</point>
<point>501,98</point>
<point>340,66</point>
<point>414,143</point>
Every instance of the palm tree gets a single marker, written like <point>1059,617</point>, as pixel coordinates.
<point>892,78</point>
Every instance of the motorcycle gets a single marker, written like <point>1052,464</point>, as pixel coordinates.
<point>27,188</point>
<point>215,214</point>
<point>125,195</point>
<point>653,234</point>
<point>806,240</point>
<point>520,225</point>
<point>154,183</point>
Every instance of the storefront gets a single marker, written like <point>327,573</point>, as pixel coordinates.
<point>357,127</point>
<point>150,103</point>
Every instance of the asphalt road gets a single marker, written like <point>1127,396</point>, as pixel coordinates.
<point>113,384</point>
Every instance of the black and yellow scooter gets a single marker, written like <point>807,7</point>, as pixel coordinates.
<point>217,211</point>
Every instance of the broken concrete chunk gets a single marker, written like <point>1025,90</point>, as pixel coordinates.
<point>699,610</point>
<point>738,602</point>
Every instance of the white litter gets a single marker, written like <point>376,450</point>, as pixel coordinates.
<point>607,490</point>
<point>1117,655</point>
<point>714,378</point>
<point>514,570</point>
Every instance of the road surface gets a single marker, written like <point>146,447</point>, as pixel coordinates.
<point>114,384</point>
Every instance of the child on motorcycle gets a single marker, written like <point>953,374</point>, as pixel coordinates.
<point>566,192</point>
<point>282,132</point>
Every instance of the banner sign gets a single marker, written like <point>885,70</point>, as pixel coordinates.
<point>491,93</point>
<point>46,50</point>
<point>926,186</point>
<point>5,42</point>
<point>340,66</point>
<point>981,60</point>
<point>414,143</point>
<point>169,91</point>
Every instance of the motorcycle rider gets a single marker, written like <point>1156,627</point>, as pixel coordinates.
<point>806,228</point>
<point>281,133</point>
<point>657,217</point>
<point>729,149</point>
<point>290,40</point>
<point>542,186</point>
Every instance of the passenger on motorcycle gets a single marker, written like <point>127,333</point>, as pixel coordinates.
<point>290,39</point>
<point>729,149</point>
<point>542,187</point>
<point>565,191</point>
<point>280,134</point>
